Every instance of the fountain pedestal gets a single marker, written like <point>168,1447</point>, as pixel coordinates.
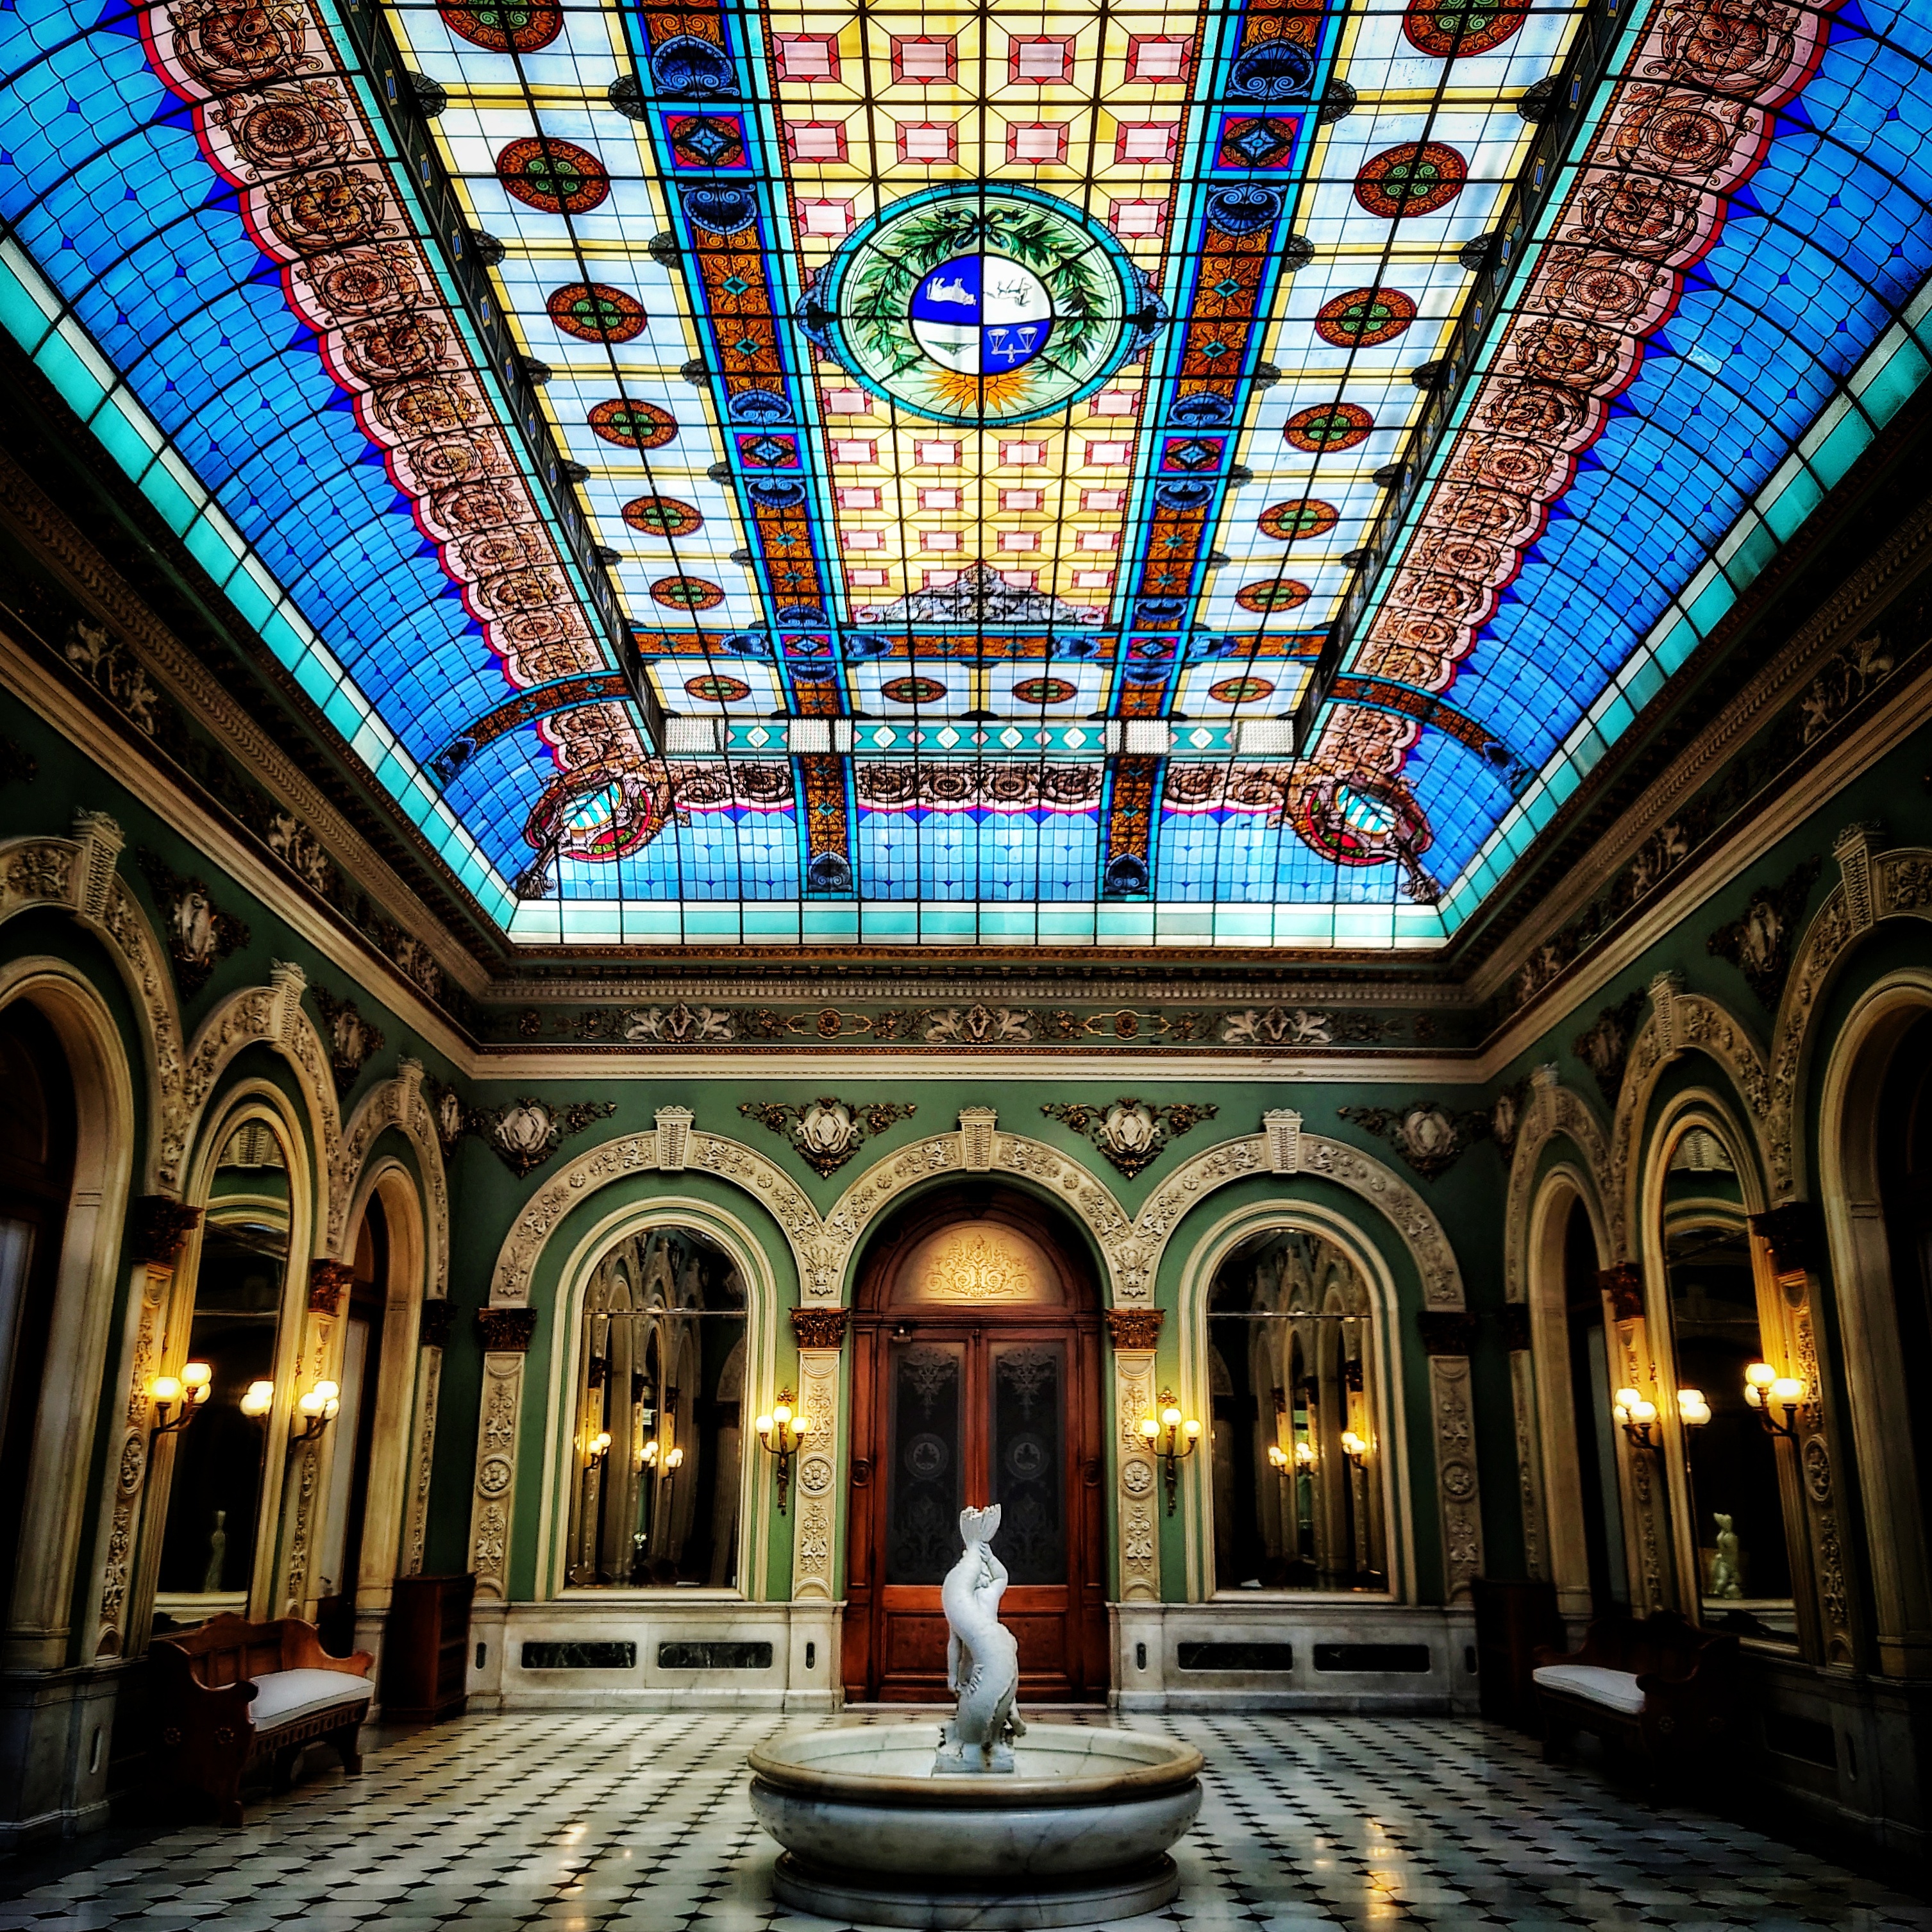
<point>1002,1826</point>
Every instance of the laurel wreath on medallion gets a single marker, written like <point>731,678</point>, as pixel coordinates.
<point>1032,237</point>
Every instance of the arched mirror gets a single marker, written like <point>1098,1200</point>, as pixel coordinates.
<point>217,1493</point>
<point>1297,1479</point>
<point>1737,1517</point>
<point>657,1434</point>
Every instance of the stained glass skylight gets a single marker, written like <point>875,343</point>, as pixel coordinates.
<point>1206,475</point>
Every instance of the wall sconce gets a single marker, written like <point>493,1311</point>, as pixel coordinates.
<point>596,1448</point>
<point>782,1432</point>
<point>1764,1387</point>
<point>257,1399</point>
<point>318,1409</point>
<point>1692,1411</point>
<point>1354,1448</point>
<point>1172,1437</point>
<point>190,1388</point>
<point>1278,1459</point>
<point>1636,1417</point>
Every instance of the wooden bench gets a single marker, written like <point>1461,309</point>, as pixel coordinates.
<point>1663,1688</point>
<point>230,1693</point>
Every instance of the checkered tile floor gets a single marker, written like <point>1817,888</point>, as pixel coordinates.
<point>578,1823</point>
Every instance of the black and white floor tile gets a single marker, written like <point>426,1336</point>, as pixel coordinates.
<point>587,1823</point>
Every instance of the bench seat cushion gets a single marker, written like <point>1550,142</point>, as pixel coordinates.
<point>1616,1690</point>
<point>280,1695</point>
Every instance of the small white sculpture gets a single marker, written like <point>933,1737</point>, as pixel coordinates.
<point>217,1551</point>
<point>982,1657</point>
<point>1727,1565</point>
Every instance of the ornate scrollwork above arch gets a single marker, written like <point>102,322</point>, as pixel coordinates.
<point>398,1103</point>
<point>1556,1112</point>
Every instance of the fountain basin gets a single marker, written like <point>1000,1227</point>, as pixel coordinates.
<point>1077,1834</point>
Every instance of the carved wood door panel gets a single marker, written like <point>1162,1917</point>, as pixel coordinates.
<point>955,1411</point>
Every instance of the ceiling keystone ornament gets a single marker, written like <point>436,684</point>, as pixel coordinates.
<point>199,935</point>
<point>526,1132</point>
<point>1427,1135</point>
<point>1604,1046</point>
<point>447,1112</point>
<point>1759,944</point>
<point>1132,1134</point>
<point>349,1038</point>
<point>975,304</point>
<point>827,1132</point>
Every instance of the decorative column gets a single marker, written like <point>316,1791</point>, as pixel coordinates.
<point>506,1334</point>
<point>820,1333</point>
<point>1136,1332</point>
<point>157,1228</point>
<point>328,1282</point>
<point>815,1679</point>
<point>432,1338</point>
<point>1446,1334</point>
<point>1627,1337</point>
<point>1517,1339</point>
<point>1794,1237</point>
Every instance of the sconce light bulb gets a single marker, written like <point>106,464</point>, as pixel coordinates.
<point>650,1452</point>
<point>1760,1375</point>
<point>1304,1454</point>
<point>166,1388</point>
<point>674,1459</point>
<point>763,1425</point>
<point>801,1425</point>
<point>600,1441</point>
<point>1644,1412</point>
<point>1627,1398</point>
<point>1787,1389</point>
<point>1149,1427</point>
<point>1620,1414</point>
<point>1170,1418</point>
<point>331,1409</point>
<point>781,1415</point>
<point>1753,1395</point>
<point>1190,1427</point>
<point>259,1398</point>
<point>197,1375</point>
<point>1277,1456</point>
<point>328,1391</point>
<point>311,1403</point>
<point>1353,1444</point>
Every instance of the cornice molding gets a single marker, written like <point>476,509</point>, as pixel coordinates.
<point>92,578</point>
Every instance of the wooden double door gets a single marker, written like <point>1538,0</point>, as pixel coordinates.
<point>963,1406</point>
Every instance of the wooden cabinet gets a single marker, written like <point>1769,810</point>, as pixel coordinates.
<point>426,1649</point>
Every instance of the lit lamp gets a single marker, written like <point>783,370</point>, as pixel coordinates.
<point>596,1449</point>
<point>190,1389</point>
<point>647,1456</point>
<point>257,1399</point>
<point>1172,1437</point>
<point>318,1409</point>
<point>1355,1448</point>
<point>1636,1417</point>
<point>781,1432</point>
<point>1304,1456</point>
<point>1278,1459</point>
<point>1692,1411</point>
<point>1766,1389</point>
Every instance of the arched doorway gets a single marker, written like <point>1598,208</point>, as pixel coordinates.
<point>976,1380</point>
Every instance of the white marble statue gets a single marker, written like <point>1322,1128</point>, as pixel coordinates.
<point>982,1657</point>
<point>1727,1565</point>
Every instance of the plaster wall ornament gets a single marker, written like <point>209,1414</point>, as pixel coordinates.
<point>157,1228</point>
<point>1282,1128</point>
<point>500,1411</point>
<point>1507,1113</point>
<point>402,1106</point>
<point>351,1039</point>
<point>1851,848</point>
<point>328,1282</point>
<point>422,1443</point>
<point>1458,1491</point>
<point>1132,1133</point>
<point>1759,943</point>
<point>448,1116</point>
<point>826,1132</point>
<point>674,1126</point>
<point>1531,1494</point>
<point>526,1132</point>
<point>1429,1137</point>
<point>43,872</point>
<point>200,934</point>
<point>1687,1022</point>
<point>1136,1479</point>
<point>1623,1285</point>
<point>1134,1327</point>
<point>976,1125</point>
<point>507,1331</point>
<point>1899,884</point>
<point>815,1484</point>
<point>1663,990</point>
<point>1604,1045</point>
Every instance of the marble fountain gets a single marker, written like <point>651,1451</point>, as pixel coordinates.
<point>1001,1826</point>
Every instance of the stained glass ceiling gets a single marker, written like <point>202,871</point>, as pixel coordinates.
<point>1200,474</point>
